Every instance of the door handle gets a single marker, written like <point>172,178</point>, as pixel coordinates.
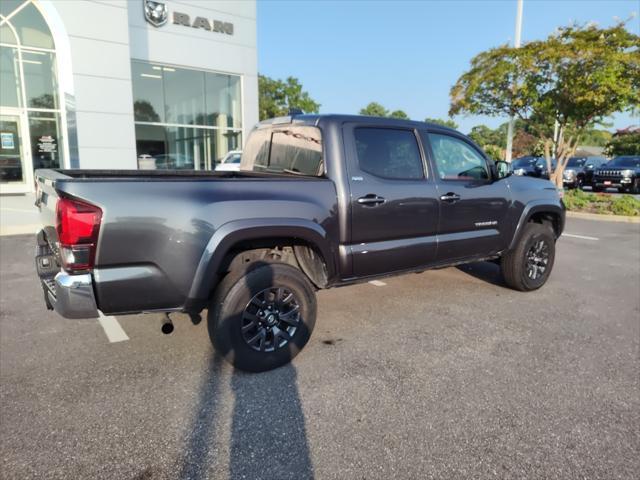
<point>450,197</point>
<point>371,200</point>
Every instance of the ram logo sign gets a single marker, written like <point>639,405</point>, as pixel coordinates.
<point>156,13</point>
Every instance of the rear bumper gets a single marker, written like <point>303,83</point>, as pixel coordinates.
<point>71,295</point>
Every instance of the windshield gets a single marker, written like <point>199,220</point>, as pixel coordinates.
<point>576,162</point>
<point>633,162</point>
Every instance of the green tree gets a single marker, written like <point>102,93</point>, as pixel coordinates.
<point>483,135</point>
<point>578,77</point>
<point>627,143</point>
<point>374,109</point>
<point>447,123</point>
<point>276,97</point>
<point>595,138</point>
<point>399,114</point>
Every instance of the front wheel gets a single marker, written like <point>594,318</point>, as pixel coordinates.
<point>261,319</point>
<point>528,266</point>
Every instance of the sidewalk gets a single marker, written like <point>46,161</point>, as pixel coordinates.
<point>18,215</point>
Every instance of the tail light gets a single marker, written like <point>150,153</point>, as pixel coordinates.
<point>78,224</point>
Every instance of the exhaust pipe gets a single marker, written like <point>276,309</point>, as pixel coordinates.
<point>167,325</point>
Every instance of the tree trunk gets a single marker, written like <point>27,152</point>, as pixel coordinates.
<point>565,148</point>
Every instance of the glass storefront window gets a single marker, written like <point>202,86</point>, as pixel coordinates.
<point>8,6</point>
<point>185,118</point>
<point>169,147</point>
<point>29,99</point>
<point>10,94</point>
<point>148,90</point>
<point>32,29</point>
<point>223,100</point>
<point>11,158</point>
<point>40,79</point>
<point>46,141</point>
<point>7,36</point>
<point>184,96</point>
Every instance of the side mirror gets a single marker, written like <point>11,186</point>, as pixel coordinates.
<point>503,169</point>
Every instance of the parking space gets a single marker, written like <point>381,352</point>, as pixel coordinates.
<point>444,374</point>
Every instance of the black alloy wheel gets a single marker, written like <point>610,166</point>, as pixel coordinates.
<point>270,319</point>
<point>537,259</point>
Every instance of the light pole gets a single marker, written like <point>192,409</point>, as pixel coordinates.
<point>516,44</point>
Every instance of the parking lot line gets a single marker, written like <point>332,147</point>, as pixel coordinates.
<point>583,237</point>
<point>377,283</point>
<point>112,328</point>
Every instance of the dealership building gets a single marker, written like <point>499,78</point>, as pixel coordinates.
<point>123,84</point>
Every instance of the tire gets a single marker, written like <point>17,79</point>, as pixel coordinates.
<point>246,324</point>
<point>635,189</point>
<point>622,190</point>
<point>516,270</point>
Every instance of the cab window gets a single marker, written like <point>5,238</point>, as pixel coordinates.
<point>389,153</point>
<point>456,159</point>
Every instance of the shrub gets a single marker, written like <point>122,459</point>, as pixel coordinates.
<point>626,205</point>
<point>603,203</point>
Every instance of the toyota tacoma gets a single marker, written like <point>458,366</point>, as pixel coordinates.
<point>319,201</point>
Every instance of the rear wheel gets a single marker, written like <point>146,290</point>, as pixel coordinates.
<point>262,318</point>
<point>528,266</point>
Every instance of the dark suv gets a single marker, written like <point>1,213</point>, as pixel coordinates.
<point>622,173</point>
<point>579,171</point>
<point>532,166</point>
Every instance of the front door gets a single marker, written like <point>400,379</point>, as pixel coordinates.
<point>16,172</point>
<point>473,205</point>
<point>394,209</point>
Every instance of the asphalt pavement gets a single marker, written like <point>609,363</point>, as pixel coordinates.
<point>444,374</point>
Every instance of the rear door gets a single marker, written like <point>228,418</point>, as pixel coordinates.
<point>394,206</point>
<point>473,206</point>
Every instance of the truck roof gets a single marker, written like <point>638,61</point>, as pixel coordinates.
<point>327,118</point>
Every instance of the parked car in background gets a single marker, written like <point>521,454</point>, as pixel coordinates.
<point>230,162</point>
<point>579,171</point>
<point>531,166</point>
<point>622,173</point>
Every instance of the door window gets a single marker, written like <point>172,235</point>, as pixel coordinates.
<point>389,153</point>
<point>11,161</point>
<point>456,159</point>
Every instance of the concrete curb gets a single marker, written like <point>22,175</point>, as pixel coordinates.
<point>19,230</point>
<point>603,218</point>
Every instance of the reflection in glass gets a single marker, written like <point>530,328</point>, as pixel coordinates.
<point>46,141</point>
<point>223,100</point>
<point>7,36</point>
<point>7,7</point>
<point>184,96</point>
<point>148,96</point>
<point>32,29</point>
<point>40,79</point>
<point>9,79</point>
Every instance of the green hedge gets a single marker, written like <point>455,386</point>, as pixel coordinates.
<point>604,203</point>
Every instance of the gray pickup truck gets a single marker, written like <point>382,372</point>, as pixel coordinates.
<point>320,201</point>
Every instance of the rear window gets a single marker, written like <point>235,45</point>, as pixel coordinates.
<point>295,150</point>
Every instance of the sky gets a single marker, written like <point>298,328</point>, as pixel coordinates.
<point>407,54</point>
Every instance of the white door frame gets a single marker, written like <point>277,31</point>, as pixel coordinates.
<point>26,185</point>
